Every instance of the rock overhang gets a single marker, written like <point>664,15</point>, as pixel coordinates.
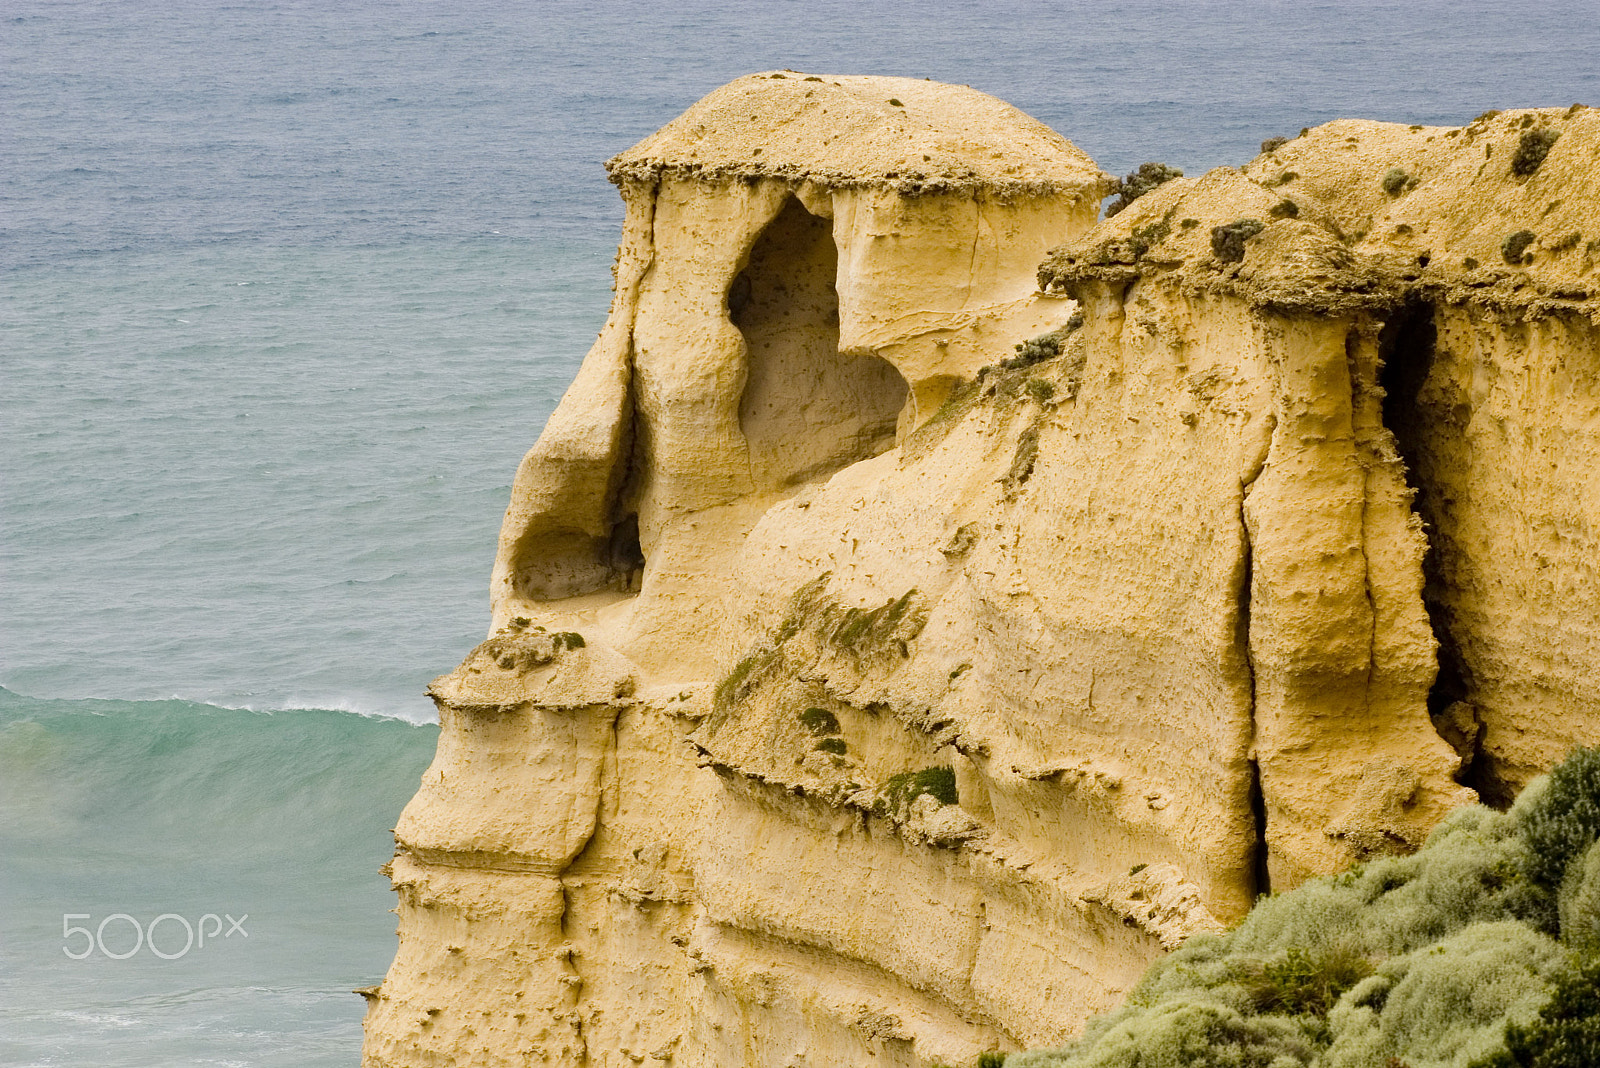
<point>916,136</point>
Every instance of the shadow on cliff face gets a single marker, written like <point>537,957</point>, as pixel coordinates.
<point>1408,346</point>
<point>807,408</point>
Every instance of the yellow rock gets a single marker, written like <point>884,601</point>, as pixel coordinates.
<point>854,696</point>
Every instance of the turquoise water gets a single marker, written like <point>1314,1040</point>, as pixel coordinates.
<point>136,810</point>
<point>288,288</point>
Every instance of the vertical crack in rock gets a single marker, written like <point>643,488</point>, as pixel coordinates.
<point>1260,871</point>
<point>972,257</point>
<point>1407,346</point>
<point>1258,805</point>
<point>1244,590</point>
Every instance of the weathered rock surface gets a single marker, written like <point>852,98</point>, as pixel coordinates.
<point>852,697</point>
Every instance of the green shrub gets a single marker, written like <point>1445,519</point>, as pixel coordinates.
<point>1397,181</point>
<point>1300,982</point>
<point>1189,1034</point>
<point>819,721</point>
<point>1044,347</point>
<point>836,746</point>
<point>1040,389</point>
<point>1532,149</point>
<point>1227,241</point>
<point>1448,1003</point>
<point>1513,247</point>
<point>1272,144</point>
<point>903,789</point>
<point>991,1058</point>
<point>1565,1034</point>
<point>1140,182</point>
<point>1559,819</point>
<point>1035,350</point>
<point>1578,903</point>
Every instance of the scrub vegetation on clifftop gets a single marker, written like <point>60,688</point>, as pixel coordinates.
<point>1137,184</point>
<point>1482,950</point>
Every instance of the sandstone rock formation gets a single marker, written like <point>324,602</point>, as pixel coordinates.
<point>854,697</point>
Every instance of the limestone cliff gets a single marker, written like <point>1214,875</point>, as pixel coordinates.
<point>860,689</point>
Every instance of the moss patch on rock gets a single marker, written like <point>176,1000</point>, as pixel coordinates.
<point>902,790</point>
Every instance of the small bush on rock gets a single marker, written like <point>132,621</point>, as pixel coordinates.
<point>1513,248</point>
<point>902,790</point>
<point>1044,347</point>
<point>1565,1034</point>
<point>1534,146</point>
<point>1227,241</point>
<point>1035,350</point>
<point>1140,182</point>
<point>1397,181</point>
<point>819,721</point>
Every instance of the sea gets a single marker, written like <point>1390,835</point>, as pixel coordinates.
<point>286,290</point>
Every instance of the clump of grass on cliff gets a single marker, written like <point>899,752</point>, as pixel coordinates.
<point>1514,248</point>
<point>819,721</point>
<point>1137,184</point>
<point>1533,147</point>
<point>1227,241</point>
<point>1044,347</point>
<point>1480,951</point>
<point>902,790</point>
<point>867,627</point>
<point>1398,181</point>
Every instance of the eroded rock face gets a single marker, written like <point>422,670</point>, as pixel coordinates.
<point>852,696</point>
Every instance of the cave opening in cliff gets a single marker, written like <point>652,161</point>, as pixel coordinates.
<point>555,560</point>
<point>1407,346</point>
<point>807,409</point>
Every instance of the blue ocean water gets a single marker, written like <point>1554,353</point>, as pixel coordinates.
<point>287,288</point>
